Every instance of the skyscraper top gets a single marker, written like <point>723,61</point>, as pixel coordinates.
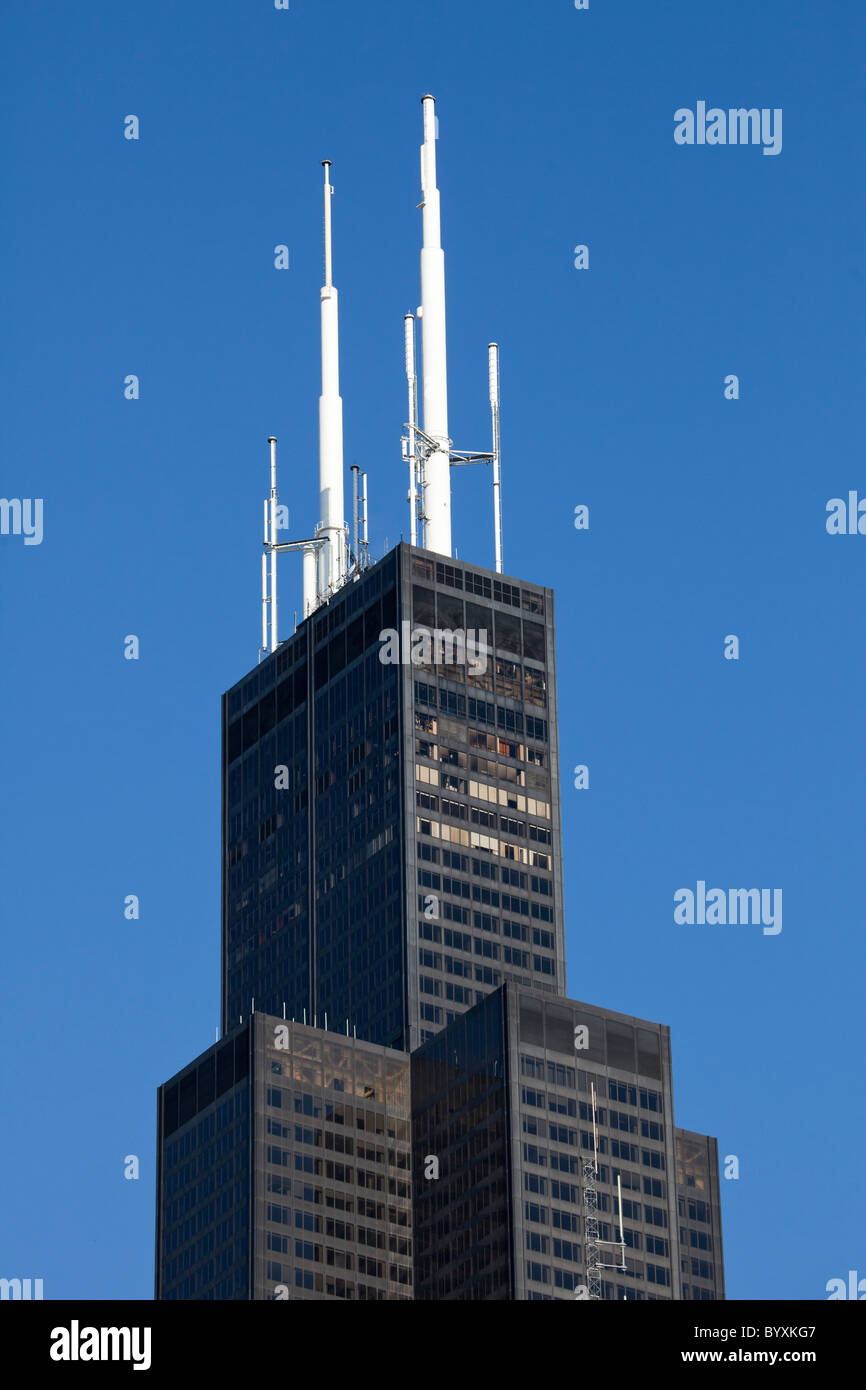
<point>329,559</point>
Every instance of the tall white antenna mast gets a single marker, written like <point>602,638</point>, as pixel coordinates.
<point>493,374</point>
<point>429,451</point>
<point>332,566</point>
<point>437,464</point>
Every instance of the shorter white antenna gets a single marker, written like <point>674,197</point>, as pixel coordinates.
<point>412,383</point>
<point>273,443</point>
<point>269,580</point>
<point>493,374</point>
<point>355,471</point>
<point>460,458</point>
<point>309,548</point>
<point>364,542</point>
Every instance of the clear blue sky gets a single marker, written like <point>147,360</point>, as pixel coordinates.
<point>707,517</point>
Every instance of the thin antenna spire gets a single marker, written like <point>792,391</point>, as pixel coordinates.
<point>331,523</point>
<point>273,499</point>
<point>326,164</point>
<point>355,552</point>
<point>269,575</point>
<point>493,374</point>
<point>412,383</point>
<point>437,465</point>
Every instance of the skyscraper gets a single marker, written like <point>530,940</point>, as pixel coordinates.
<point>284,1169</point>
<point>544,1115</point>
<point>391,828</point>
<point>404,1103</point>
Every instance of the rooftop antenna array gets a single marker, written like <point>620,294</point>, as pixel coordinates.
<point>330,556</point>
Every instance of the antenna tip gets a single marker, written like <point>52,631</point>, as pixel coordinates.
<point>326,163</point>
<point>428,97</point>
<point>272,439</point>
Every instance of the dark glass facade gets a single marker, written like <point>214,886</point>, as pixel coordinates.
<point>391,831</point>
<point>312,874</point>
<point>699,1210</point>
<point>284,1170</point>
<point>463,1196</point>
<point>503,1099</point>
<point>203,1176</point>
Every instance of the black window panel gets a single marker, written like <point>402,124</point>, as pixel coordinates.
<point>372,623</point>
<point>206,1082</point>
<point>285,703</point>
<point>389,609</point>
<point>423,606</point>
<point>169,1110</point>
<point>620,1045</point>
<point>337,653</point>
<point>225,1069</point>
<point>648,1060</point>
<point>235,740</point>
<point>449,608</point>
<point>321,669</point>
<point>508,633</point>
<point>251,727</point>
<point>267,712</point>
<point>480,618</point>
<point>533,641</point>
<point>531,1021</point>
<point>355,640</point>
<point>186,1098</point>
<point>559,1029</point>
<point>242,1055</point>
<point>299,680</point>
